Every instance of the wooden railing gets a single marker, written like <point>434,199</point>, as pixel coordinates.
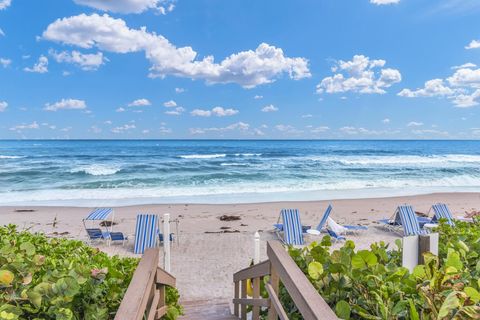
<point>145,296</point>
<point>279,267</point>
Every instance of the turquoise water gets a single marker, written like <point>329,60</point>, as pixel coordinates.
<point>135,172</point>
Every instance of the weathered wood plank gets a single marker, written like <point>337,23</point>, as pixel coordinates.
<point>152,312</point>
<point>259,302</point>
<point>274,284</point>
<point>256,295</point>
<point>163,277</point>
<point>308,301</point>
<point>137,296</point>
<point>161,312</point>
<point>259,270</point>
<point>276,304</point>
<point>236,306</point>
<point>243,307</point>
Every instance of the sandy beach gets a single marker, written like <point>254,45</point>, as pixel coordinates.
<point>207,251</point>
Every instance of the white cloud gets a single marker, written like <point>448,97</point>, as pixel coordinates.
<point>240,126</point>
<point>217,111</point>
<point>247,68</point>
<point>286,128</point>
<point>129,6</point>
<point>305,116</point>
<point>462,88</point>
<point>20,127</point>
<point>109,122</point>
<point>3,106</point>
<point>269,108</point>
<point>164,130</point>
<point>414,124</point>
<point>432,88</point>
<point>120,109</point>
<point>87,62</point>
<point>175,112</point>
<point>140,103</point>
<point>2,33</point>
<point>432,132</point>
<point>40,67</point>
<point>121,129</point>
<point>179,90</point>
<point>66,104</point>
<point>258,97</point>
<point>386,120</point>
<point>320,129</point>
<point>384,2</point>
<point>360,75</point>
<point>465,65</point>
<point>474,44</point>
<point>349,130</point>
<point>170,104</point>
<point>4,4</point>
<point>5,62</point>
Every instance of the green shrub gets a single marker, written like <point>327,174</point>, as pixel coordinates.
<point>372,284</point>
<point>42,278</point>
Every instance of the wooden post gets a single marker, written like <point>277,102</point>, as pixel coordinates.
<point>166,240</point>
<point>236,306</point>
<point>243,307</point>
<point>275,283</point>
<point>256,294</point>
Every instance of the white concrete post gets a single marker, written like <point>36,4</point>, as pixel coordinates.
<point>257,248</point>
<point>166,241</point>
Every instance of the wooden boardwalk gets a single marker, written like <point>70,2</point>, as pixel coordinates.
<point>202,310</point>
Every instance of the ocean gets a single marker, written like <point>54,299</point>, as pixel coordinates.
<point>126,172</point>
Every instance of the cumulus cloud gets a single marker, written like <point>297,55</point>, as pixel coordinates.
<point>384,2</point>
<point>87,62</point>
<point>361,75</point>
<point>386,120</point>
<point>240,126</point>
<point>175,112</point>
<point>320,129</point>
<point>129,6</point>
<point>414,124</point>
<point>140,103</point>
<point>121,109</point>
<point>286,128</point>
<point>474,44</point>
<point>349,130</point>
<point>3,106</point>
<point>66,104</point>
<point>269,108</point>
<point>462,88</point>
<point>20,127</point>
<point>217,111</point>
<point>179,90</point>
<point>247,68</point>
<point>170,104</point>
<point>40,67</point>
<point>465,65</point>
<point>258,97</point>
<point>125,127</point>
<point>4,4</point>
<point>5,62</point>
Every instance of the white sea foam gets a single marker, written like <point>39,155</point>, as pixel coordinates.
<point>437,160</point>
<point>234,164</point>
<point>204,156</point>
<point>248,154</point>
<point>11,157</point>
<point>97,169</point>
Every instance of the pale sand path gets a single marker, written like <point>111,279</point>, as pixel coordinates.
<point>204,263</point>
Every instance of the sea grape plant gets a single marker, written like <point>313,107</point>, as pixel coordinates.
<point>372,284</point>
<point>53,278</point>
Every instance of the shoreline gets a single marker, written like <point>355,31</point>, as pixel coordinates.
<point>208,251</point>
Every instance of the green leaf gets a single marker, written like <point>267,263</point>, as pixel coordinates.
<point>315,270</point>
<point>363,259</point>
<point>453,260</point>
<point>473,294</point>
<point>413,311</point>
<point>451,303</point>
<point>342,309</point>
<point>35,298</point>
<point>28,248</point>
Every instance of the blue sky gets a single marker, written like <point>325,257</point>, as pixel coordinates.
<point>358,69</point>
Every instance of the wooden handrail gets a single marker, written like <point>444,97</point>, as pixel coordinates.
<point>145,295</point>
<point>281,268</point>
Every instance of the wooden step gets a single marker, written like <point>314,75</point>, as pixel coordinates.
<point>203,310</point>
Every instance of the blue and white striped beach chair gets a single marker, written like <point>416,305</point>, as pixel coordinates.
<point>97,214</point>
<point>406,219</point>
<point>325,217</point>
<point>442,211</point>
<point>146,231</point>
<point>292,227</point>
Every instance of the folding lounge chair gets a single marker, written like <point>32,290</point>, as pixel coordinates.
<point>406,219</point>
<point>336,237</point>
<point>279,226</point>
<point>442,211</point>
<point>95,234</point>
<point>292,227</point>
<point>146,231</point>
<point>326,217</point>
